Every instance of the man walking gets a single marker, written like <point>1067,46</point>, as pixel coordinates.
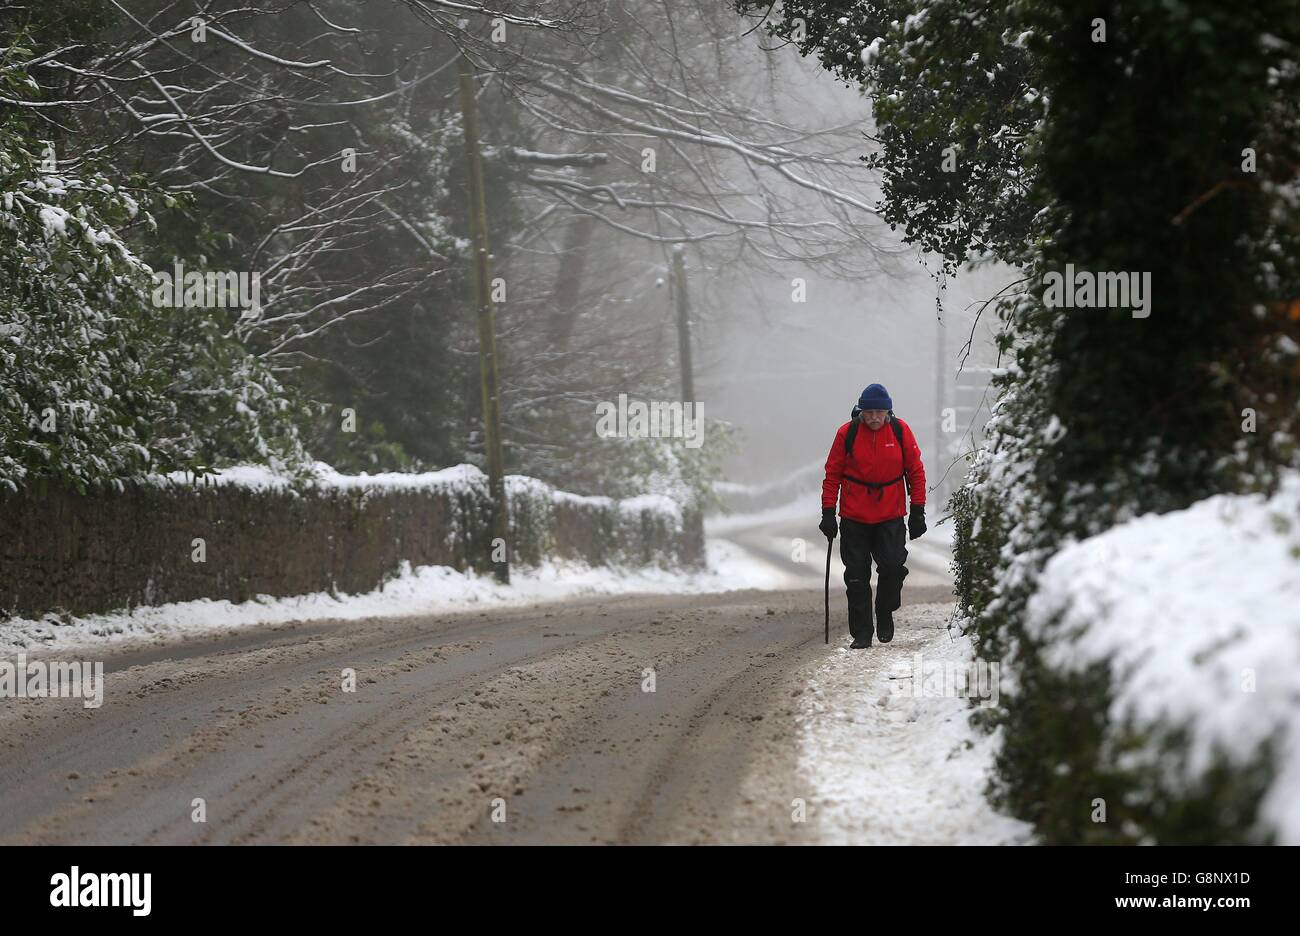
<point>872,457</point>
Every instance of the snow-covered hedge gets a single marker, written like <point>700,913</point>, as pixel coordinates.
<point>97,383</point>
<point>1129,643</point>
<point>1194,617</point>
<point>249,532</point>
<point>1114,414</point>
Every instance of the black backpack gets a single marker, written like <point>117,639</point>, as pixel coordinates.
<point>852,434</point>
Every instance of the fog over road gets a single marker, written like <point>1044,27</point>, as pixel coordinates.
<point>540,713</point>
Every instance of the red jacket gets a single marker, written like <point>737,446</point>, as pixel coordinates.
<point>876,457</point>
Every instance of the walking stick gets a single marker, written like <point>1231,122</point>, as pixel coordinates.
<point>829,544</point>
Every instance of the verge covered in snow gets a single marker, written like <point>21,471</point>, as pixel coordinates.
<point>424,590</point>
<point>793,511</point>
<point>1197,613</point>
<point>890,766</point>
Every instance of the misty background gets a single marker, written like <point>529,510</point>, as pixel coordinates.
<point>787,373</point>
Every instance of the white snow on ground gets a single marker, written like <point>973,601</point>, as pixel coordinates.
<point>1189,608</point>
<point>888,768</point>
<point>424,590</point>
<point>929,559</point>
<point>940,535</point>
<point>795,510</point>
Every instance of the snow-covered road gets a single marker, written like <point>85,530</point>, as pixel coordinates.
<point>708,715</point>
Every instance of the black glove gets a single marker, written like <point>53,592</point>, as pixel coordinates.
<point>828,526</point>
<point>916,521</point>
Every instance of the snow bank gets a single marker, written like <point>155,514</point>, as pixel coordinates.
<point>423,590</point>
<point>1197,613</point>
<point>794,511</point>
<point>262,478</point>
<point>803,485</point>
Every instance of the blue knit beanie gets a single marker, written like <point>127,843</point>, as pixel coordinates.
<point>875,397</point>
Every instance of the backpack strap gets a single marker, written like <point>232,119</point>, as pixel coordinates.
<point>850,436</point>
<point>898,434</point>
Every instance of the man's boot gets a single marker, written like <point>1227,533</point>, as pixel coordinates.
<point>884,625</point>
<point>860,627</point>
<point>889,597</point>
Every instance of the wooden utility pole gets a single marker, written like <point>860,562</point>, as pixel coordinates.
<point>694,516</point>
<point>683,325</point>
<point>487,339</point>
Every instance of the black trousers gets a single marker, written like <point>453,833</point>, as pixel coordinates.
<point>860,544</point>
